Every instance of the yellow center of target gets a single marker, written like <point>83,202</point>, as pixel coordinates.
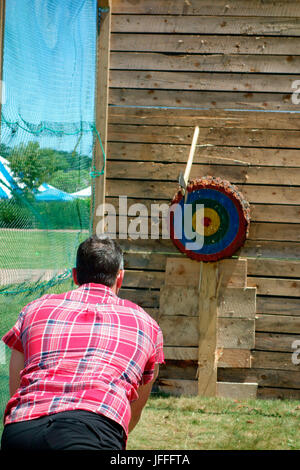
<point>210,221</point>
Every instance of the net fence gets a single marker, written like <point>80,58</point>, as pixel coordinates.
<point>48,135</point>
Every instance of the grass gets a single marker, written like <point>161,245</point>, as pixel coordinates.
<point>33,249</point>
<point>197,423</point>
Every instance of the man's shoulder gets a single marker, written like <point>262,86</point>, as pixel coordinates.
<point>44,299</point>
<point>138,310</point>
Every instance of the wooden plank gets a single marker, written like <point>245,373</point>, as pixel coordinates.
<point>146,261</point>
<point>253,193</point>
<point>194,81</point>
<point>259,267</point>
<point>274,268</point>
<point>102,74</point>
<point>235,174</point>
<point>232,333</point>
<point>178,370</point>
<point>264,377</point>
<point>226,357</point>
<point>104,4</point>
<point>275,341</point>
<point>270,393</point>
<point>237,358</point>
<point>269,26</point>
<point>179,300</point>
<point>204,7</point>
<point>205,118</point>
<point>278,305</point>
<point>274,360</point>
<point>237,302</point>
<point>277,286</point>
<point>179,353</point>
<point>268,249</point>
<point>197,81</point>
<point>208,100</point>
<point>185,272</point>
<point>183,300</point>
<point>237,391</point>
<point>180,330</point>
<point>262,249</point>
<point>147,279</point>
<point>236,333</point>
<point>209,284</point>
<point>273,213</point>
<point>278,324</point>
<point>237,63</point>
<point>205,44</point>
<point>208,153</point>
<point>270,231</point>
<point>213,136</point>
<point>143,297</point>
<point>254,249</point>
<point>178,387</point>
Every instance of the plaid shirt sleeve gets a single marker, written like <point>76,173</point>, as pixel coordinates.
<point>13,337</point>
<point>156,358</point>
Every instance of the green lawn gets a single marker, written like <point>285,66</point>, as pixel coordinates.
<point>34,249</point>
<point>197,423</point>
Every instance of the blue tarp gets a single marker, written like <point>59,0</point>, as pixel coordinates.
<point>46,192</point>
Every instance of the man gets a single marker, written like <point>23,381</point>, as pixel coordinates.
<point>83,362</point>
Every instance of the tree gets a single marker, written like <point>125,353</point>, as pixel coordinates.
<point>70,181</point>
<point>28,167</point>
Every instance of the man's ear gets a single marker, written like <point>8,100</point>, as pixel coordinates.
<point>120,278</point>
<point>74,274</point>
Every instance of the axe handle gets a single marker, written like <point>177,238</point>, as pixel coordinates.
<point>191,156</point>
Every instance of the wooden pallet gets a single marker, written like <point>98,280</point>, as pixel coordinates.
<point>207,315</point>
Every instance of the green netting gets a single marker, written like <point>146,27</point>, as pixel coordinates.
<point>48,136</point>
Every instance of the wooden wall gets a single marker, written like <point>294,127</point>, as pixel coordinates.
<point>228,67</point>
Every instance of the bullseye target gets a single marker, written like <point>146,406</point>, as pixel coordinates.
<point>212,222</point>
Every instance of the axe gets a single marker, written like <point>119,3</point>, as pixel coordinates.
<point>184,179</point>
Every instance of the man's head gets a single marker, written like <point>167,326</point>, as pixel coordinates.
<point>99,260</point>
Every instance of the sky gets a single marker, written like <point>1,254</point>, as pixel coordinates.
<point>49,68</point>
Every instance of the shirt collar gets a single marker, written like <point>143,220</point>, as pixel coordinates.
<point>99,290</point>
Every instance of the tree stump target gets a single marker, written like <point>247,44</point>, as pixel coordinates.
<point>225,223</point>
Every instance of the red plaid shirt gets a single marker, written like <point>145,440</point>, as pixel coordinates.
<point>85,349</point>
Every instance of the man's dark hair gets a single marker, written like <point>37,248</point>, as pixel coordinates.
<point>98,260</point>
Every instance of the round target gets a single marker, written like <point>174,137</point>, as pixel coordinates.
<point>211,222</point>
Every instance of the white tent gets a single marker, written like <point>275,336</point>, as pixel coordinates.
<point>86,192</point>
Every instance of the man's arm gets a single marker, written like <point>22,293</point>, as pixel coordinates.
<point>138,405</point>
<point>15,366</point>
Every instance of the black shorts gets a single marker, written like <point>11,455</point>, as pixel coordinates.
<point>68,430</point>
